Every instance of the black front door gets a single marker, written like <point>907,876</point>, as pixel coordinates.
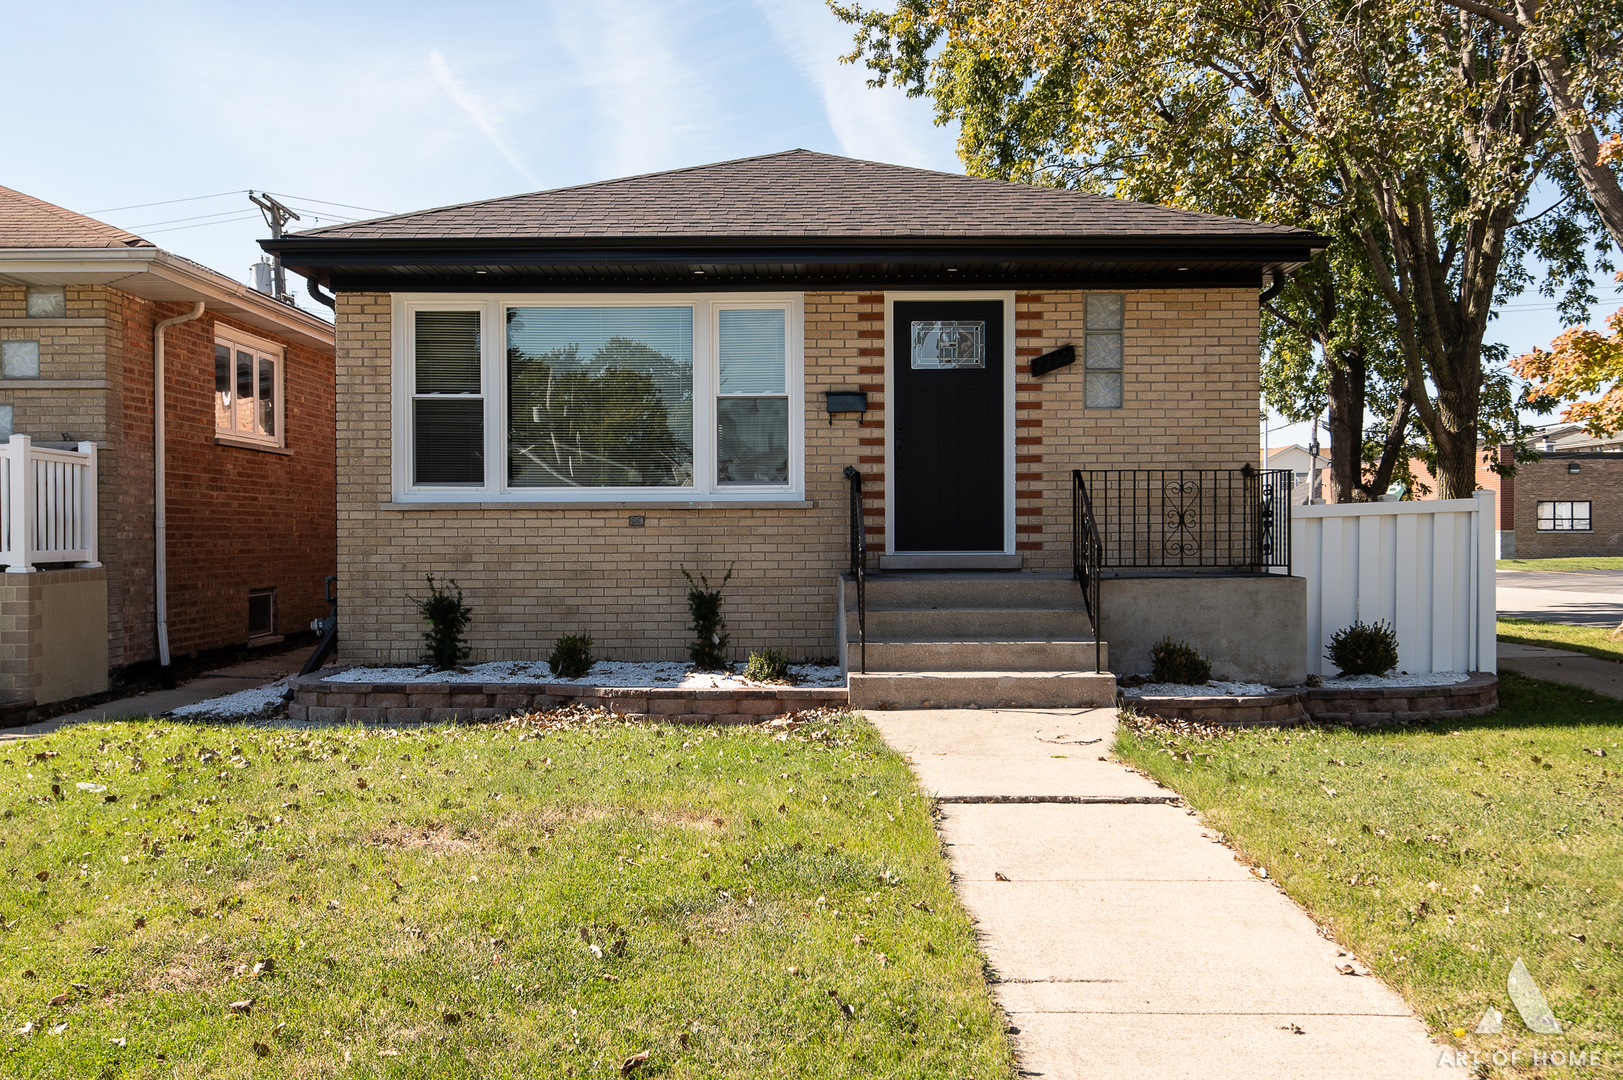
<point>949,425</point>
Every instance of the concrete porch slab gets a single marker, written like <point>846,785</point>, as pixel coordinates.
<point>959,689</point>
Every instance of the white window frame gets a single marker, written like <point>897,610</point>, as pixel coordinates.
<point>231,336</point>
<point>1555,516</point>
<point>493,387</point>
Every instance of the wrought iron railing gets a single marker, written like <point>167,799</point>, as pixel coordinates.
<point>859,563</point>
<point>1086,555</point>
<point>1218,519</point>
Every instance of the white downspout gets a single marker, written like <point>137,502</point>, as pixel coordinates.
<point>160,580</point>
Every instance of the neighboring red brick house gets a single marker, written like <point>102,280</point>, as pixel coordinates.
<point>1567,503</point>
<point>248,485</point>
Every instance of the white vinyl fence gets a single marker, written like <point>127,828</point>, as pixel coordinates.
<point>1426,568</point>
<point>47,505</point>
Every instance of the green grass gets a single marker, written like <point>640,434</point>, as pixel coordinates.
<point>1591,562</point>
<point>1594,640</point>
<point>1440,854</point>
<point>431,900</point>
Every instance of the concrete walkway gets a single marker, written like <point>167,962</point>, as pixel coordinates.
<point>226,680</point>
<point>1125,941</point>
<point>1563,665</point>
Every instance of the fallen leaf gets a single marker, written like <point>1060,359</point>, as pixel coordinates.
<point>265,967</point>
<point>243,1007</point>
<point>597,953</point>
<point>633,1063</point>
<point>29,974</point>
<point>999,875</point>
<point>28,1029</point>
<point>388,1053</point>
<point>60,999</point>
<point>43,875</point>
<point>140,922</point>
<point>121,1042</point>
<point>1347,969</point>
<point>261,1049</point>
<point>452,1018</point>
<point>60,1028</point>
<point>1292,1028</point>
<point>99,950</point>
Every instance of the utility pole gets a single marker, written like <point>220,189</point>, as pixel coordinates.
<point>276,215</point>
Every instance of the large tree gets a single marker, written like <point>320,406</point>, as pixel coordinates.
<point>1410,132</point>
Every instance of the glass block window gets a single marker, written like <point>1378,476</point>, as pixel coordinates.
<point>949,344</point>
<point>1563,517</point>
<point>47,302</point>
<point>247,390</point>
<point>752,407</point>
<point>19,359</point>
<point>448,404</point>
<point>1102,351</point>
<point>7,416</point>
<point>602,397</point>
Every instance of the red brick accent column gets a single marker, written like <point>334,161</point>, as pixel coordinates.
<point>1028,436</point>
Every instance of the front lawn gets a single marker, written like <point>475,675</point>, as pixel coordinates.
<point>1583,562</point>
<point>1594,640</point>
<point>1440,854</point>
<point>515,900</point>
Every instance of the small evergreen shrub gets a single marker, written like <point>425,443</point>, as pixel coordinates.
<point>709,649</point>
<point>1363,649</point>
<point>768,665</point>
<point>1177,662</point>
<point>448,618</point>
<point>571,656</point>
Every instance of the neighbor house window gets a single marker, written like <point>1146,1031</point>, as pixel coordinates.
<point>1563,517</point>
<point>47,302</point>
<point>247,389</point>
<point>1102,351</point>
<point>599,398</point>
<point>261,615</point>
<point>19,359</point>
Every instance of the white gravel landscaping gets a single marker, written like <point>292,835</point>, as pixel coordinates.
<point>1211,689</point>
<point>616,673</point>
<point>1365,682</point>
<point>1243,689</point>
<point>243,703</point>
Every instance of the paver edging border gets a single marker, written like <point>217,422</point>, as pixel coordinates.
<point>316,699</point>
<point>1362,706</point>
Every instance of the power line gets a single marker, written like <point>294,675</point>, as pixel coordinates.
<point>170,202</point>
<point>328,202</point>
<point>204,224</point>
<point>198,217</point>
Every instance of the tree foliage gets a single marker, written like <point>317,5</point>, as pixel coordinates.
<point>1410,133</point>
<point>1579,363</point>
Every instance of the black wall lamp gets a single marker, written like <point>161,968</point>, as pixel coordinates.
<point>846,401</point>
<point>1573,466</point>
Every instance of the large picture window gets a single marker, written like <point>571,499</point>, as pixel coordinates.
<point>598,398</point>
<point>247,389</point>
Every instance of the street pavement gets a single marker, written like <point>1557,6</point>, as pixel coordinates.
<point>1578,597</point>
<point>1123,939</point>
<point>1565,666</point>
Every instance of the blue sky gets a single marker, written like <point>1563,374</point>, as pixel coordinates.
<point>399,106</point>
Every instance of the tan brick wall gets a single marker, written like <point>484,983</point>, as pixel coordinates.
<point>531,573</point>
<point>1189,400</point>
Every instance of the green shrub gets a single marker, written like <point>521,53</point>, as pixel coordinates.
<point>768,665</point>
<point>447,617</point>
<point>1177,662</point>
<point>1363,649</point>
<point>709,649</point>
<point>571,656</point>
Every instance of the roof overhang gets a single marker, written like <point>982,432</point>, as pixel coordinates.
<point>654,264</point>
<point>154,274</point>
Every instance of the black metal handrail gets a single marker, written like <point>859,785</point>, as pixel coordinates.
<point>1087,552</point>
<point>859,561</point>
<point>1222,519</point>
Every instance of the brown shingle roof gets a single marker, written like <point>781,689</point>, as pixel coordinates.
<point>27,222</point>
<point>799,193</point>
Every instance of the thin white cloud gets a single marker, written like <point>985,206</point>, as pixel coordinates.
<point>881,125</point>
<point>477,111</point>
<point>644,90</point>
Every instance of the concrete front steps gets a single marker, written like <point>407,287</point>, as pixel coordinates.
<point>960,638</point>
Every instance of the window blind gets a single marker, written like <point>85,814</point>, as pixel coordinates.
<point>447,352</point>
<point>448,413</point>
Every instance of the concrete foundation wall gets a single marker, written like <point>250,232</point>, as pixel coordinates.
<point>1251,627</point>
<point>53,640</point>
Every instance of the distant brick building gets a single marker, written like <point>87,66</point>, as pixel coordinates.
<point>1567,503</point>
<point>248,440</point>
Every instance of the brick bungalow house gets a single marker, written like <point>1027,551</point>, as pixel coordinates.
<point>561,399</point>
<point>247,531</point>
